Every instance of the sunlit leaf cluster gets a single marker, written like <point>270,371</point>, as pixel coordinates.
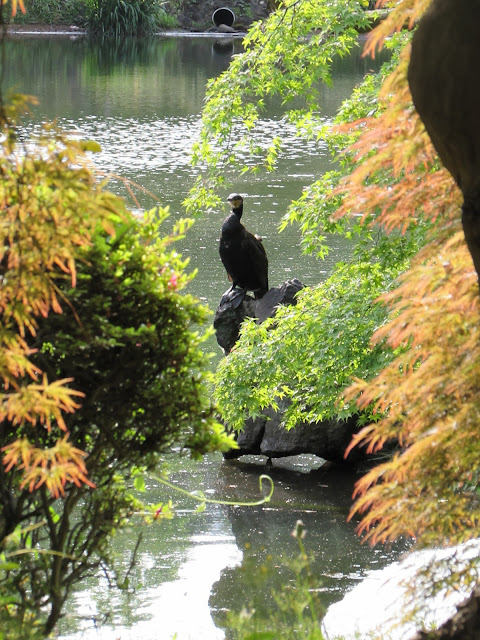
<point>308,352</point>
<point>286,59</point>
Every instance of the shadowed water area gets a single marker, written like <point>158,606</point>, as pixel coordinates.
<point>141,100</point>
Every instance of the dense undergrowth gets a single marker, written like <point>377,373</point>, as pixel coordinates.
<point>107,18</point>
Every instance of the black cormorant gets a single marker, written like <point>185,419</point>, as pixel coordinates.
<point>243,255</point>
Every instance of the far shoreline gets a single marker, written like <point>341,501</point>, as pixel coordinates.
<point>74,30</point>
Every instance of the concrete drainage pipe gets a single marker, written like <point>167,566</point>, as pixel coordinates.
<point>224,15</point>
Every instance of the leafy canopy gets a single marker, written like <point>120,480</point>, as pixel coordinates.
<point>287,57</point>
<point>310,352</point>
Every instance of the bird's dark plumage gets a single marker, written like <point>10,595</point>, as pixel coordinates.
<point>242,253</point>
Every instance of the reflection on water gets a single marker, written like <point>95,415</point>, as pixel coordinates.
<point>195,568</point>
<point>177,608</point>
<point>318,496</point>
<point>141,100</point>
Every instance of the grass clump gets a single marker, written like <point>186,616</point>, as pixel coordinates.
<point>51,12</point>
<point>109,18</point>
<point>113,18</point>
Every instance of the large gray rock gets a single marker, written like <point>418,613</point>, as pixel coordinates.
<point>266,436</point>
<point>284,294</point>
<point>327,439</point>
<point>463,625</point>
<point>229,315</point>
<point>225,28</point>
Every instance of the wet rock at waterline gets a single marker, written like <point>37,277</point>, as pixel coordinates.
<point>265,435</point>
<point>225,28</point>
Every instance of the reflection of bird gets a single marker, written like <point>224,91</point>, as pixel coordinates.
<point>243,255</point>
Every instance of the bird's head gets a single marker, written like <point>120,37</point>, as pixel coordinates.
<point>235,201</point>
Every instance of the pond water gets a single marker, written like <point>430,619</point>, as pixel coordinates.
<point>141,100</point>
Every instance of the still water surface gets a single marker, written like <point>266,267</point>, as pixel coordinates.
<point>141,100</point>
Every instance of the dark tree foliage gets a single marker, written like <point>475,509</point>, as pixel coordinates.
<point>126,338</point>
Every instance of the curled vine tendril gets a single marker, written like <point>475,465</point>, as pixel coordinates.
<point>200,496</point>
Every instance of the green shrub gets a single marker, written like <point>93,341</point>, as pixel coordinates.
<point>113,18</point>
<point>110,18</point>
<point>129,339</point>
<point>166,21</point>
<point>52,12</point>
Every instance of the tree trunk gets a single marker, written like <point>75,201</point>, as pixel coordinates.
<point>443,80</point>
<point>471,228</point>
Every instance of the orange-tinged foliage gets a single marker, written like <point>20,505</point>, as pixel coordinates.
<point>428,398</point>
<point>16,3</point>
<point>401,14</point>
<point>39,403</point>
<point>431,409</point>
<point>54,466</point>
<point>402,151</point>
<point>50,204</point>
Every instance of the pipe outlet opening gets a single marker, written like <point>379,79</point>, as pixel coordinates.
<point>224,15</point>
